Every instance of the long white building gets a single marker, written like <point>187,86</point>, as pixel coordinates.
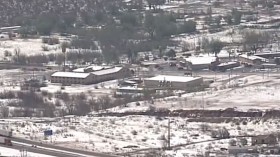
<point>90,75</point>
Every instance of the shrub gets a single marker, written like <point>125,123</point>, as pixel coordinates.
<point>53,41</point>
<point>232,142</point>
<point>243,141</point>
<point>134,132</point>
<point>45,40</point>
<point>44,93</point>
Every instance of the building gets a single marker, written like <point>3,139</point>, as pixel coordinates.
<point>251,60</point>
<point>268,55</point>
<point>173,82</point>
<point>227,65</point>
<point>264,139</point>
<point>227,55</point>
<point>203,62</point>
<point>68,78</point>
<point>90,75</point>
<point>133,91</point>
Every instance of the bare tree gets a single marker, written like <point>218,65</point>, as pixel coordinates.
<point>4,111</point>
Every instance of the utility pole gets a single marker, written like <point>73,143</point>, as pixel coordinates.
<point>168,134</point>
<point>63,47</point>
<point>23,153</point>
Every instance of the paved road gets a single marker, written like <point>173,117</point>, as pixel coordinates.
<point>95,154</point>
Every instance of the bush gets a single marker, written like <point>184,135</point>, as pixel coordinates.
<point>204,127</point>
<point>232,142</point>
<point>44,93</point>
<point>243,141</point>
<point>50,41</point>
<point>134,132</point>
<point>45,40</point>
<point>53,41</point>
<point>244,123</point>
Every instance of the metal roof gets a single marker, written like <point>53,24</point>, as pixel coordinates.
<point>70,74</point>
<point>172,78</point>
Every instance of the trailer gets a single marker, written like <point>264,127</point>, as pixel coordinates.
<point>5,141</point>
<point>6,133</point>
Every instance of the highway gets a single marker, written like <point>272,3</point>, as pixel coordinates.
<point>48,149</point>
<point>42,151</point>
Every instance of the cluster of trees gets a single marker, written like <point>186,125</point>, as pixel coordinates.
<point>164,25</point>
<point>27,104</point>
<point>254,40</point>
<point>211,46</point>
<point>116,27</point>
<point>30,103</point>
<point>233,18</point>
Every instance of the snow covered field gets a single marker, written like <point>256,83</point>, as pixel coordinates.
<point>125,134</point>
<point>27,47</point>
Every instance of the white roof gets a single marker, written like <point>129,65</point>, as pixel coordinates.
<point>172,78</point>
<point>227,63</point>
<point>201,60</point>
<point>149,63</point>
<point>70,74</point>
<point>225,54</point>
<point>252,57</point>
<point>107,71</point>
<point>95,67</point>
<point>79,70</point>
<point>129,88</point>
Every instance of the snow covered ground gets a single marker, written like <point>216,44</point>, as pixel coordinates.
<point>242,92</point>
<point>126,134</point>
<point>103,88</point>
<point>27,47</point>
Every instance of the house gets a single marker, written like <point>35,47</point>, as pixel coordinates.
<point>264,139</point>
<point>173,82</point>
<point>90,75</point>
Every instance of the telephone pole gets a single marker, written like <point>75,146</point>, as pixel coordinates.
<point>23,153</point>
<point>168,134</point>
